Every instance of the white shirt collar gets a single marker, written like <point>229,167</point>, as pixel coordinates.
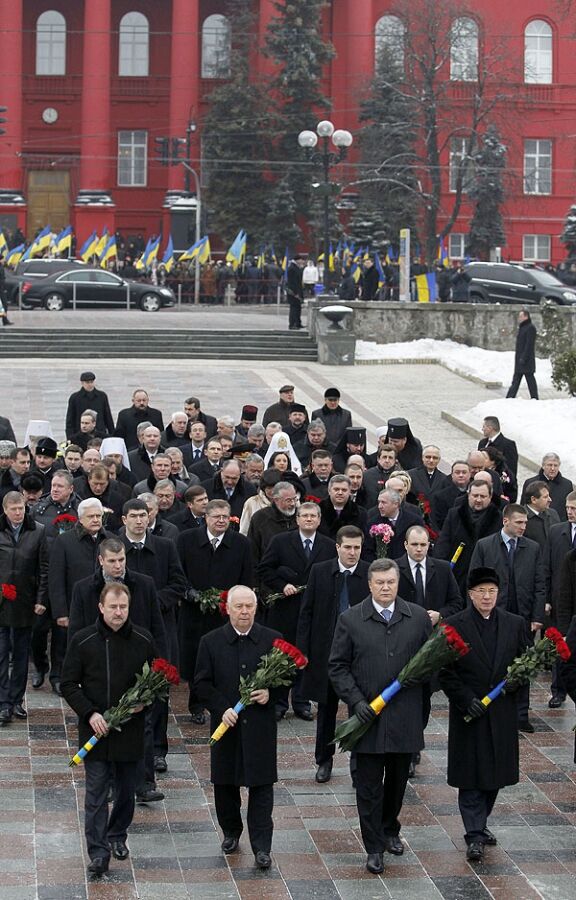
<point>344,569</point>
<point>414,564</point>
<point>379,608</point>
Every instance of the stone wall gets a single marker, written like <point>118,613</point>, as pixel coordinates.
<point>491,326</point>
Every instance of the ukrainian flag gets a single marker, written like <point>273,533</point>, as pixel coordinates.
<point>63,242</point>
<point>101,245</point>
<point>237,251</point>
<point>139,264</point>
<point>3,245</point>
<point>109,252</point>
<point>426,288</point>
<point>88,248</point>
<point>41,241</point>
<point>15,255</point>
<point>152,251</point>
<point>442,256</point>
<point>204,251</point>
<point>285,260</point>
<point>193,251</point>
<point>380,270</point>
<point>168,258</point>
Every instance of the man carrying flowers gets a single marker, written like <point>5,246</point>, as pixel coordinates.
<point>101,663</point>
<point>483,737</point>
<point>373,641</point>
<point>245,755</point>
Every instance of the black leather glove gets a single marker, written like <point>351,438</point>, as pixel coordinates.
<point>476,709</point>
<point>363,711</point>
<point>191,594</point>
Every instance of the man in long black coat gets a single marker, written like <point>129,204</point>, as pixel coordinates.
<point>400,516</point>
<point>88,397</point>
<point>558,486</point>
<point>339,509</point>
<point>336,419</point>
<point>568,668</point>
<point>333,586</point>
<point>295,291</point>
<point>129,419</point>
<point>524,356</point>
<point>246,754</point>
<point>372,643</point>
<point>483,754</point>
<point>427,479</point>
<point>212,556</point>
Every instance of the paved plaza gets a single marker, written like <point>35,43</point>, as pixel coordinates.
<point>317,853</point>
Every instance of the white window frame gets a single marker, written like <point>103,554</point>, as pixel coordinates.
<point>133,45</point>
<point>457,245</point>
<point>464,42</point>
<point>538,52</point>
<point>216,47</point>
<point>390,36</point>
<point>536,247</point>
<point>132,158</point>
<point>51,43</point>
<point>538,166</point>
<point>458,150</point>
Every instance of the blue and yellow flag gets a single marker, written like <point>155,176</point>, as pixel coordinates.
<point>15,255</point>
<point>285,260</point>
<point>194,250</point>
<point>151,252</point>
<point>109,252</point>
<point>63,241</point>
<point>380,270</point>
<point>41,242</point>
<point>204,251</point>
<point>426,288</point>
<point>3,245</point>
<point>442,255</point>
<point>88,248</point>
<point>168,258</point>
<point>101,245</point>
<point>237,250</point>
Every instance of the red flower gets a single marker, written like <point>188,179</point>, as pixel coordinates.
<point>223,607</point>
<point>311,498</point>
<point>224,596</point>
<point>64,517</point>
<point>454,640</point>
<point>9,592</point>
<point>234,520</point>
<point>562,648</point>
<point>169,671</point>
<point>293,652</point>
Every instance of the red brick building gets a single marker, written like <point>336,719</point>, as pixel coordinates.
<point>89,85</point>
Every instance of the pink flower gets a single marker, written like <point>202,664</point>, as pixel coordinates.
<point>383,531</point>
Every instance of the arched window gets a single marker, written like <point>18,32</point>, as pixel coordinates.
<point>51,43</point>
<point>538,53</point>
<point>133,45</point>
<point>216,47</point>
<point>464,50</point>
<point>389,42</point>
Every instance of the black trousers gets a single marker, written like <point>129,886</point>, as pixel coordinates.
<point>557,687</point>
<point>44,626</point>
<point>530,381</point>
<point>325,728</point>
<point>159,715</point>
<point>299,701</point>
<point>146,777</point>
<point>100,828</point>
<point>475,807</point>
<point>380,785</point>
<point>259,817</point>
<point>13,679</point>
<point>294,316</point>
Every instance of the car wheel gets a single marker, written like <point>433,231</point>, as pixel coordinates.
<point>150,303</point>
<point>477,298</point>
<point>54,302</point>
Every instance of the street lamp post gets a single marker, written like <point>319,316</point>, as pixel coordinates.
<point>327,157</point>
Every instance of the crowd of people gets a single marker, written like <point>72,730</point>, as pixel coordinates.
<point>112,542</point>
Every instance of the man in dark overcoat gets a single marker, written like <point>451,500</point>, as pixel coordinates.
<point>284,568</point>
<point>88,397</point>
<point>427,479</point>
<point>339,509</point>
<point>561,539</point>
<point>391,510</point>
<point>101,664</point>
<point>333,587</point>
<point>524,356</point>
<point>129,419</point>
<point>372,643</point>
<point>568,667</point>
<point>483,754</point>
<point>336,419</point>
<point>246,754</point>
<point>212,556</point>
<point>295,291</point>
<point>558,486</point>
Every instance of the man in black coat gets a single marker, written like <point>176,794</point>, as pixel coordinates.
<point>338,509</point>
<point>400,516</point>
<point>483,754</point>
<point>473,518</point>
<point>540,517</point>
<point>129,419</point>
<point>141,457</point>
<point>333,586</point>
<point>369,280</point>
<point>456,488</point>
<point>229,484</point>
<point>372,643</point>
<point>518,563</point>
<point>285,568</point>
<point>212,556</point>
<point>524,356</point>
<point>427,479</point>
<point>277,518</point>
<point>211,462</point>
<point>192,516</point>
<point>493,437</point>
<point>336,419</point>
<point>279,411</point>
<point>88,397</point>
<point>101,664</point>
<point>558,486</point>
<point>295,291</point>
<point>195,414</point>
<point>568,667</point>
<point>246,754</point>
<point>561,540</point>
<point>316,483</point>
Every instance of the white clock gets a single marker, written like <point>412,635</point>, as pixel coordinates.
<point>50,115</point>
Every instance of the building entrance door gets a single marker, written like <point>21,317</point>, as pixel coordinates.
<point>48,197</point>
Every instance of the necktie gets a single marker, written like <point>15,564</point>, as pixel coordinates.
<point>137,545</point>
<point>214,542</point>
<point>308,547</point>
<point>419,581</point>
<point>386,614</point>
<point>197,455</point>
<point>512,602</point>
<point>574,536</point>
<point>344,597</point>
<point>229,492</point>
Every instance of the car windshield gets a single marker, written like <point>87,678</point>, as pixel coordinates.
<point>544,278</point>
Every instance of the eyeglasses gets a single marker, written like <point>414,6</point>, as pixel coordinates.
<point>485,592</point>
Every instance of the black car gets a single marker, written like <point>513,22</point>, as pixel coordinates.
<point>84,286</point>
<point>506,283</point>
<point>31,269</point>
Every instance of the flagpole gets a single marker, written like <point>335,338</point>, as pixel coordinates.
<point>192,171</point>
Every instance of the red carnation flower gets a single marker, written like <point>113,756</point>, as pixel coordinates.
<point>9,592</point>
<point>454,640</point>
<point>222,606</point>
<point>293,652</point>
<point>64,517</point>
<point>166,669</point>
<point>562,648</point>
<point>311,498</point>
<point>224,596</point>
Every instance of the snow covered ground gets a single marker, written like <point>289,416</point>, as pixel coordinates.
<point>536,426</point>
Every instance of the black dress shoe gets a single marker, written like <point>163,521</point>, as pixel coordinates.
<point>262,859</point>
<point>160,764</point>
<point>230,843</point>
<point>38,679</point>
<point>280,713</point>
<point>475,851</point>
<point>394,845</point>
<point>489,838</point>
<point>417,758</point>
<point>198,718</point>
<point>150,795</point>
<point>98,867</point>
<point>19,711</point>
<point>526,726</point>
<point>305,714</point>
<point>412,769</point>
<point>5,716</point>
<point>374,863</point>
<point>555,702</point>
<point>56,689</point>
<point>119,850</point>
<point>324,772</point>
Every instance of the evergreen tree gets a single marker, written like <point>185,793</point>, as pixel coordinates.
<point>568,236</point>
<point>487,193</point>
<point>235,142</point>
<point>281,227</point>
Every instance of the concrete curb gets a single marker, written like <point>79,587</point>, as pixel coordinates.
<point>489,385</point>
<point>473,432</point>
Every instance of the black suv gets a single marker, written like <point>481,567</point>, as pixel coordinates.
<point>506,283</point>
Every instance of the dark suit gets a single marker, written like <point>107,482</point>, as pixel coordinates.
<point>203,469</point>
<point>558,545</point>
<point>239,496</point>
<point>483,754</point>
<point>246,754</point>
<point>539,525</point>
<point>82,400</point>
<point>407,516</point>
<point>367,655</point>
<point>507,447</point>
<point>318,616</point>
<point>185,519</point>
<point>558,488</point>
<point>128,421</point>
<point>140,464</point>
<point>429,485</point>
<point>461,527</point>
<point>440,588</point>
<point>443,502</point>
<point>331,522</point>
<point>336,421</point>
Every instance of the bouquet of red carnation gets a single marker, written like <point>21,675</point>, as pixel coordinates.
<point>276,668</point>
<point>271,599</point>
<point>64,522</point>
<point>442,647</point>
<point>9,592</point>
<point>382,534</point>
<point>209,600</point>
<point>526,667</point>
<point>426,511</point>
<point>152,684</point>
<point>311,498</point>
